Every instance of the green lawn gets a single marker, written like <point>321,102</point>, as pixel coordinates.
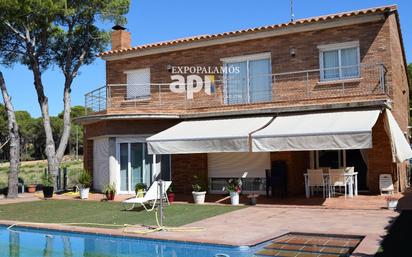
<point>70,211</point>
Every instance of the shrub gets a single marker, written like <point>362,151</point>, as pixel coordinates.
<point>84,180</point>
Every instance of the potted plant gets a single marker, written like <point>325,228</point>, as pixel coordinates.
<point>110,191</point>
<point>48,185</point>
<point>198,192</point>
<point>140,189</point>
<point>234,186</point>
<point>170,195</point>
<point>31,188</point>
<point>392,202</point>
<point>84,181</point>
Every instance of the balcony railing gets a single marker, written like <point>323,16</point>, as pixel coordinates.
<point>223,91</point>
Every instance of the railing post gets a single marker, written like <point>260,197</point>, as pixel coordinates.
<point>85,104</point>
<point>107,96</point>
<point>307,84</point>
<point>99,99</point>
<point>65,178</point>
<point>160,95</point>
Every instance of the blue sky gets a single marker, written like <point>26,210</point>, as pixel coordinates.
<point>159,20</point>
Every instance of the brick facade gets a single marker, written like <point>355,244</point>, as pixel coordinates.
<point>379,44</point>
<point>375,49</point>
<point>297,163</point>
<point>185,167</point>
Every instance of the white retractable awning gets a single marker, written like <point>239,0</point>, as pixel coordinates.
<point>401,150</point>
<point>206,136</point>
<point>317,131</point>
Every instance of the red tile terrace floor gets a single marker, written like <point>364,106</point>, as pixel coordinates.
<point>364,202</point>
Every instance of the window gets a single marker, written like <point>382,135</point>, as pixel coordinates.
<point>138,84</point>
<point>136,165</point>
<point>339,61</point>
<point>328,158</point>
<point>248,79</point>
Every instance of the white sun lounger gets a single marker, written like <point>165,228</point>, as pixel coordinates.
<point>151,196</point>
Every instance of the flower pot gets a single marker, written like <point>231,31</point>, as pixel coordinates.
<point>140,193</point>
<point>48,192</point>
<point>84,193</point>
<point>392,204</point>
<point>31,188</point>
<point>199,197</point>
<point>110,196</point>
<point>171,197</point>
<point>234,198</point>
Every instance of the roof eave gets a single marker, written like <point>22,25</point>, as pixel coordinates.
<point>310,24</point>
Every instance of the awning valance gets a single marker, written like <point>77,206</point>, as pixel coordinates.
<point>401,149</point>
<point>317,131</point>
<point>206,136</point>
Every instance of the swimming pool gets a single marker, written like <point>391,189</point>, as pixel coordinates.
<point>27,242</point>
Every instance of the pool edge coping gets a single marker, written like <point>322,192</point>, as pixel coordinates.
<point>120,234</point>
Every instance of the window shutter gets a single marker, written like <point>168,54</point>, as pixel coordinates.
<point>138,84</point>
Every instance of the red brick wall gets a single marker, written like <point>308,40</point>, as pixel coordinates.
<point>127,127</point>
<point>297,163</point>
<point>185,167</point>
<point>374,48</point>
<point>400,93</point>
<point>88,155</point>
<point>380,156</point>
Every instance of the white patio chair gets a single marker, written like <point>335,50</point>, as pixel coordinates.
<point>337,179</point>
<point>151,197</point>
<point>316,180</point>
<point>350,170</point>
<point>386,184</point>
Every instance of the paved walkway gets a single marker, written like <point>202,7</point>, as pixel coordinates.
<point>26,197</point>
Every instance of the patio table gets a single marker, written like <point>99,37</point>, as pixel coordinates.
<point>351,182</point>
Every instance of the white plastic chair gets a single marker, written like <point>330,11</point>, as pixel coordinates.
<point>337,179</point>
<point>350,170</point>
<point>151,196</point>
<point>316,180</point>
<point>386,184</point>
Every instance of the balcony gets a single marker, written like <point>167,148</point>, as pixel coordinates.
<point>228,93</point>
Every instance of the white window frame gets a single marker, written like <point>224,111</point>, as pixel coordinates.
<point>144,97</point>
<point>247,59</point>
<point>339,47</point>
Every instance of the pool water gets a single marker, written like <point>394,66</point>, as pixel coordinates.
<point>25,242</point>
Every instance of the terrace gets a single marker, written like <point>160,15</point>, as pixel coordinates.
<point>231,91</point>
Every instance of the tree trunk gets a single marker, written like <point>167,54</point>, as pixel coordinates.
<point>13,129</point>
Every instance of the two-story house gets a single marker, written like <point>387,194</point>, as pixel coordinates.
<point>328,91</point>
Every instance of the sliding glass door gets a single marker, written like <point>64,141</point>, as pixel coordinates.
<point>136,165</point>
<point>251,83</point>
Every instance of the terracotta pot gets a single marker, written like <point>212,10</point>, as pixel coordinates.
<point>171,197</point>
<point>31,188</point>
<point>110,196</point>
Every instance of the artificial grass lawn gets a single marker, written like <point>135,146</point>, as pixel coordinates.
<point>75,211</point>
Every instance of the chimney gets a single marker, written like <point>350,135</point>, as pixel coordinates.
<point>120,38</point>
